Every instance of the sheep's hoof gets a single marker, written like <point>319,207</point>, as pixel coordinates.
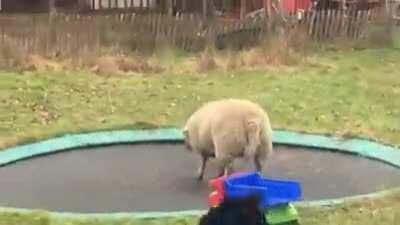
<point>199,178</point>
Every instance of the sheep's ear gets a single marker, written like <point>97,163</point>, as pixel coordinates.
<point>185,132</point>
<point>186,139</point>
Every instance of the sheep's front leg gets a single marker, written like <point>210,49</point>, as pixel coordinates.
<point>202,167</point>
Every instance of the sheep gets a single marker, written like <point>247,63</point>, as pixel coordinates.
<point>227,129</point>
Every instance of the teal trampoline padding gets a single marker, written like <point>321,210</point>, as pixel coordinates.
<point>76,141</point>
<point>365,148</point>
<point>362,147</point>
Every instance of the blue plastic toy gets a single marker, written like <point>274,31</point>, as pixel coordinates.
<point>272,192</point>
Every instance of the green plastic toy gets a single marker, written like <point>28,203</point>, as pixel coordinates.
<point>282,215</point>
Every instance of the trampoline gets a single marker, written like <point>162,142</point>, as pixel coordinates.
<point>160,176</point>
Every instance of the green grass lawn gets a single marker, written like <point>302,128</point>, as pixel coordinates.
<point>338,93</point>
<point>348,93</point>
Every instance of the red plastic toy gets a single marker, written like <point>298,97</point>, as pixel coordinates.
<point>217,196</point>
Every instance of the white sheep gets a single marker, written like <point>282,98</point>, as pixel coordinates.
<point>227,129</point>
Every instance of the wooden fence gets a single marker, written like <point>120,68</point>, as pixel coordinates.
<point>330,24</point>
<point>72,33</point>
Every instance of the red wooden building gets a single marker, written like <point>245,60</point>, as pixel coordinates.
<point>248,6</point>
<point>292,6</point>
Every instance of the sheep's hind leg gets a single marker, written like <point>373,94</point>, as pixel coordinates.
<point>225,167</point>
<point>260,160</point>
<point>228,169</point>
<point>263,152</point>
<point>221,171</point>
<point>258,164</point>
<point>224,145</point>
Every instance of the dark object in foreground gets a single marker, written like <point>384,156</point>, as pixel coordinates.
<point>243,211</point>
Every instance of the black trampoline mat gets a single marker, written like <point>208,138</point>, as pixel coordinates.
<point>161,177</point>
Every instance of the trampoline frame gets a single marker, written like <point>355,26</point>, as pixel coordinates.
<point>365,148</point>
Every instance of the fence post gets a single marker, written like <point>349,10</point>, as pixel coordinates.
<point>312,22</point>
<point>204,5</point>
<point>389,19</point>
<point>242,9</point>
<point>52,6</point>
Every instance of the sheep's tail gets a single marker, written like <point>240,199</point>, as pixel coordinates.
<point>267,138</point>
<point>253,129</point>
<point>259,133</point>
